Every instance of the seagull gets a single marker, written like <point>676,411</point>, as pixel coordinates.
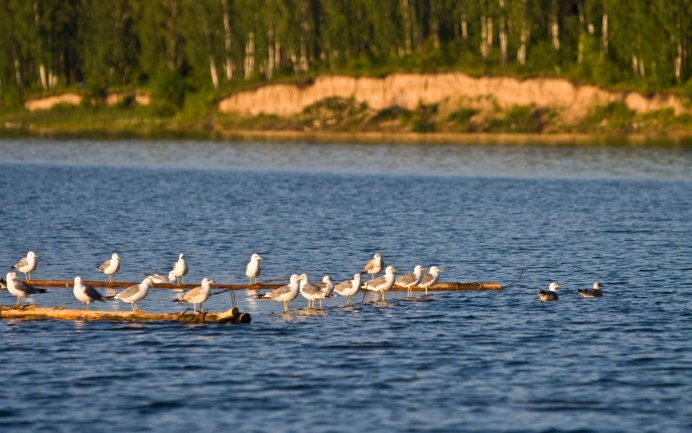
<point>411,280</point>
<point>180,269</point>
<point>349,288</point>
<point>110,267</point>
<point>310,291</point>
<point>430,278</point>
<point>380,284</point>
<point>85,294</point>
<point>327,287</point>
<point>27,264</point>
<point>374,265</point>
<point>593,292</point>
<point>198,295</point>
<point>253,269</point>
<point>160,279</point>
<point>19,288</point>
<point>134,294</point>
<point>286,293</point>
<point>550,294</point>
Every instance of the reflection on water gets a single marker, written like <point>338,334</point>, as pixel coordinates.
<point>643,161</point>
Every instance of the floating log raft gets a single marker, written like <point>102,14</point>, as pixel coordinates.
<point>439,287</point>
<point>60,313</point>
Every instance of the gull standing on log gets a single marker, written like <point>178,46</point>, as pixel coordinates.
<point>327,287</point>
<point>310,291</point>
<point>381,284</point>
<point>27,264</point>
<point>19,288</point>
<point>430,278</point>
<point>134,294</point>
<point>286,293</point>
<point>253,269</point>
<point>349,288</point>
<point>198,295</point>
<point>411,280</point>
<point>180,269</point>
<point>110,267</point>
<point>374,265</point>
<point>594,292</point>
<point>550,294</point>
<point>85,294</point>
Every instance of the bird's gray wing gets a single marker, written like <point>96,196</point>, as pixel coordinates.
<point>93,293</point>
<point>130,291</point>
<point>21,263</point>
<point>427,279</point>
<point>369,266</point>
<point>406,279</point>
<point>278,292</point>
<point>104,265</point>
<point>191,293</point>
<point>376,282</point>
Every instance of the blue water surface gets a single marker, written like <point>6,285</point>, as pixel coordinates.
<point>454,361</point>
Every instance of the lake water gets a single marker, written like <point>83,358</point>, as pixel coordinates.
<point>473,361</point>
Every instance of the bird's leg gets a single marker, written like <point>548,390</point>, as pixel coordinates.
<point>18,301</point>
<point>321,305</point>
<point>382,293</point>
<point>285,306</point>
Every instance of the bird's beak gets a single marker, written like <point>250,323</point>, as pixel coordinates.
<point>260,257</point>
<point>439,270</point>
<point>396,270</point>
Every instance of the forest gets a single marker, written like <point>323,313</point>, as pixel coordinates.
<point>174,48</point>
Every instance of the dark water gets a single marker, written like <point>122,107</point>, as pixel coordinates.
<point>454,362</point>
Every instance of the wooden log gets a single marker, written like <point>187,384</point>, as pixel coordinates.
<point>439,287</point>
<point>60,313</point>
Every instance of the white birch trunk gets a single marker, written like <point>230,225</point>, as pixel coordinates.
<point>227,40</point>
<point>604,35</point>
<point>503,35</point>
<point>406,18</point>
<point>42,75</point>
<point>249,63</point>
<point>555,27</point>
<point>212,71</point>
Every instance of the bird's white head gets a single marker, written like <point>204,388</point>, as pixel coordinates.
<point>390,269</point>
<point>115,256</point>
<point>326,279</point>
<point>295,278</point>
<point>12,275</point>
<point>357,277</point>
<point>418,269</point>
<point>597,285</point>
<point>256,257</point>
<point>31,255</point>
<point>77,280</point>
<point>553,287</point>
<point>304,277</point>
<point>181,256</point>
<point>207,281</point>
<point>147,282</point>
<point>377,256</point>
<point>434,270</point>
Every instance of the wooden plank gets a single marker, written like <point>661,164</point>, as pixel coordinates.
<point>440,287</point>
<point>60,313</point>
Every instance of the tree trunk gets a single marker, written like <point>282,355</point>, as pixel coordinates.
<point>503,35</point>
<point>249,64</point>
<point>227,40</point>
<point>434,23</point>
<point>406,18</point>
<point>270,59</point>
<point>554,26</point>
<point>604,35</point>
<point>464,23</point>
<point>212,70</point>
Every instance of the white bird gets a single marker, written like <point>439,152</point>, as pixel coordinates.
<point>594,292</point>
<point>180,269</point>
<point>134,294</point>
<point>198,295</point>
<point>253,269</point>
<point>310,291</point>
<point>110,267</point>
<point>286,293</point>
<point>27,264</point>
<point>430,278</point>
<point>327,287</point>
<point>381,284</point>
<point>160,279</point>
<point>85,294</point>
<point>550,294</point>
<point>19,288</point>
<point>411,280</point>
<point>349,288</point>
<point>374,265</point>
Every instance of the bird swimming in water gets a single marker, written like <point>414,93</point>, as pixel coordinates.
<point>84,293</point>
<point>550,294</point>
<point>285,293</point>
<point>27,264</point>
<point>594,292</point>
<point>374,265</point>
<point>110,267</point>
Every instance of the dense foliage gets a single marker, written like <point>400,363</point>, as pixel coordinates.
<point>174,47</point>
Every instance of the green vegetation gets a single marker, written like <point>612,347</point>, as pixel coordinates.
<point>187,54</point>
